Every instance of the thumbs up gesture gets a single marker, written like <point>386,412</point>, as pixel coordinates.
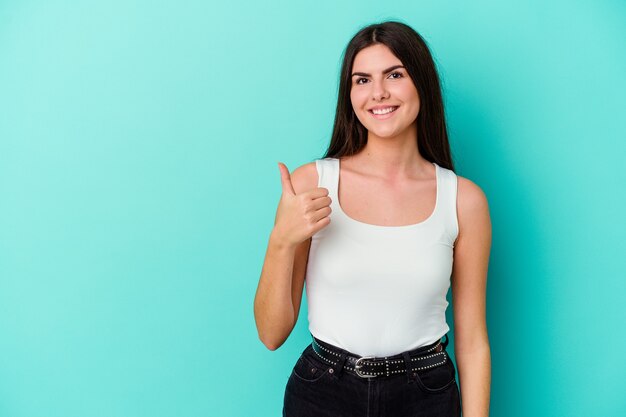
<point>300,216</point>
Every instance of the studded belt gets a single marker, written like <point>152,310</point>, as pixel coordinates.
<point>371,367</point>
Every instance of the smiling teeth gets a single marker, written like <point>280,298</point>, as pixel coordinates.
<point>384,111</point>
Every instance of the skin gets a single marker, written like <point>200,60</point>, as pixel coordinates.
<point>388,183</point>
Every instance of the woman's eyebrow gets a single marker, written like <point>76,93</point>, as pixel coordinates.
<point>364,74</point>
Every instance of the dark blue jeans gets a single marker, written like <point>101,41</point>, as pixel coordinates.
<point>313,391</point>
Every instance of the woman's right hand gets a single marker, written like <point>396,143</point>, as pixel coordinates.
<point>300,216</point>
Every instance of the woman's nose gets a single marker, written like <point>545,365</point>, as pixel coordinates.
<point>378,90</point>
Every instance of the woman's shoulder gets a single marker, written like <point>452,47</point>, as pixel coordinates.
<point>472,204</point>
<point>469,194</point>
<point>305,177</point>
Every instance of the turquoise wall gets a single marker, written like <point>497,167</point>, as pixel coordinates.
<point>138,187</point>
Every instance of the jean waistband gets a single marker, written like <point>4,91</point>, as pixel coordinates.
<point>424,357</point>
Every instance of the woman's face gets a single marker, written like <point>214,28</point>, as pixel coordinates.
<point>380,82</point>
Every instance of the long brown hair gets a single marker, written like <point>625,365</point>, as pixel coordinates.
<point>350,136</point>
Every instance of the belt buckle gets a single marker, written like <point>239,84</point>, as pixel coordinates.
<point>357,367</point>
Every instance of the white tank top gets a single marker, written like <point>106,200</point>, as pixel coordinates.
<point>381,290</point>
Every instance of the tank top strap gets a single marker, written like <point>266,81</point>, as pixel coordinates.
<point>448,211</point>
<point>328,174</point>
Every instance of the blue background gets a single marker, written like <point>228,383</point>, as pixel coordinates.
<point>138,187</point>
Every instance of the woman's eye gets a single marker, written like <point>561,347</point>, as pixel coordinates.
<point>399,75</point>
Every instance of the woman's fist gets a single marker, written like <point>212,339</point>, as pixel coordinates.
<point>300,216</point>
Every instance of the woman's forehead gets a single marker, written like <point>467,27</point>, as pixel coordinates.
<point>375,58</point>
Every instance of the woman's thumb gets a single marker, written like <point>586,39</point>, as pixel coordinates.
<point>285,178</point>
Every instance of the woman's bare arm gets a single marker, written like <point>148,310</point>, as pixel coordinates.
<point>279,293</point>
<point>469,280</point>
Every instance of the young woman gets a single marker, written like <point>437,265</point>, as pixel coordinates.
<point>380,228</point>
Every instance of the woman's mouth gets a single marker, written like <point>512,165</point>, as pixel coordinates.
<point>385,113</point>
